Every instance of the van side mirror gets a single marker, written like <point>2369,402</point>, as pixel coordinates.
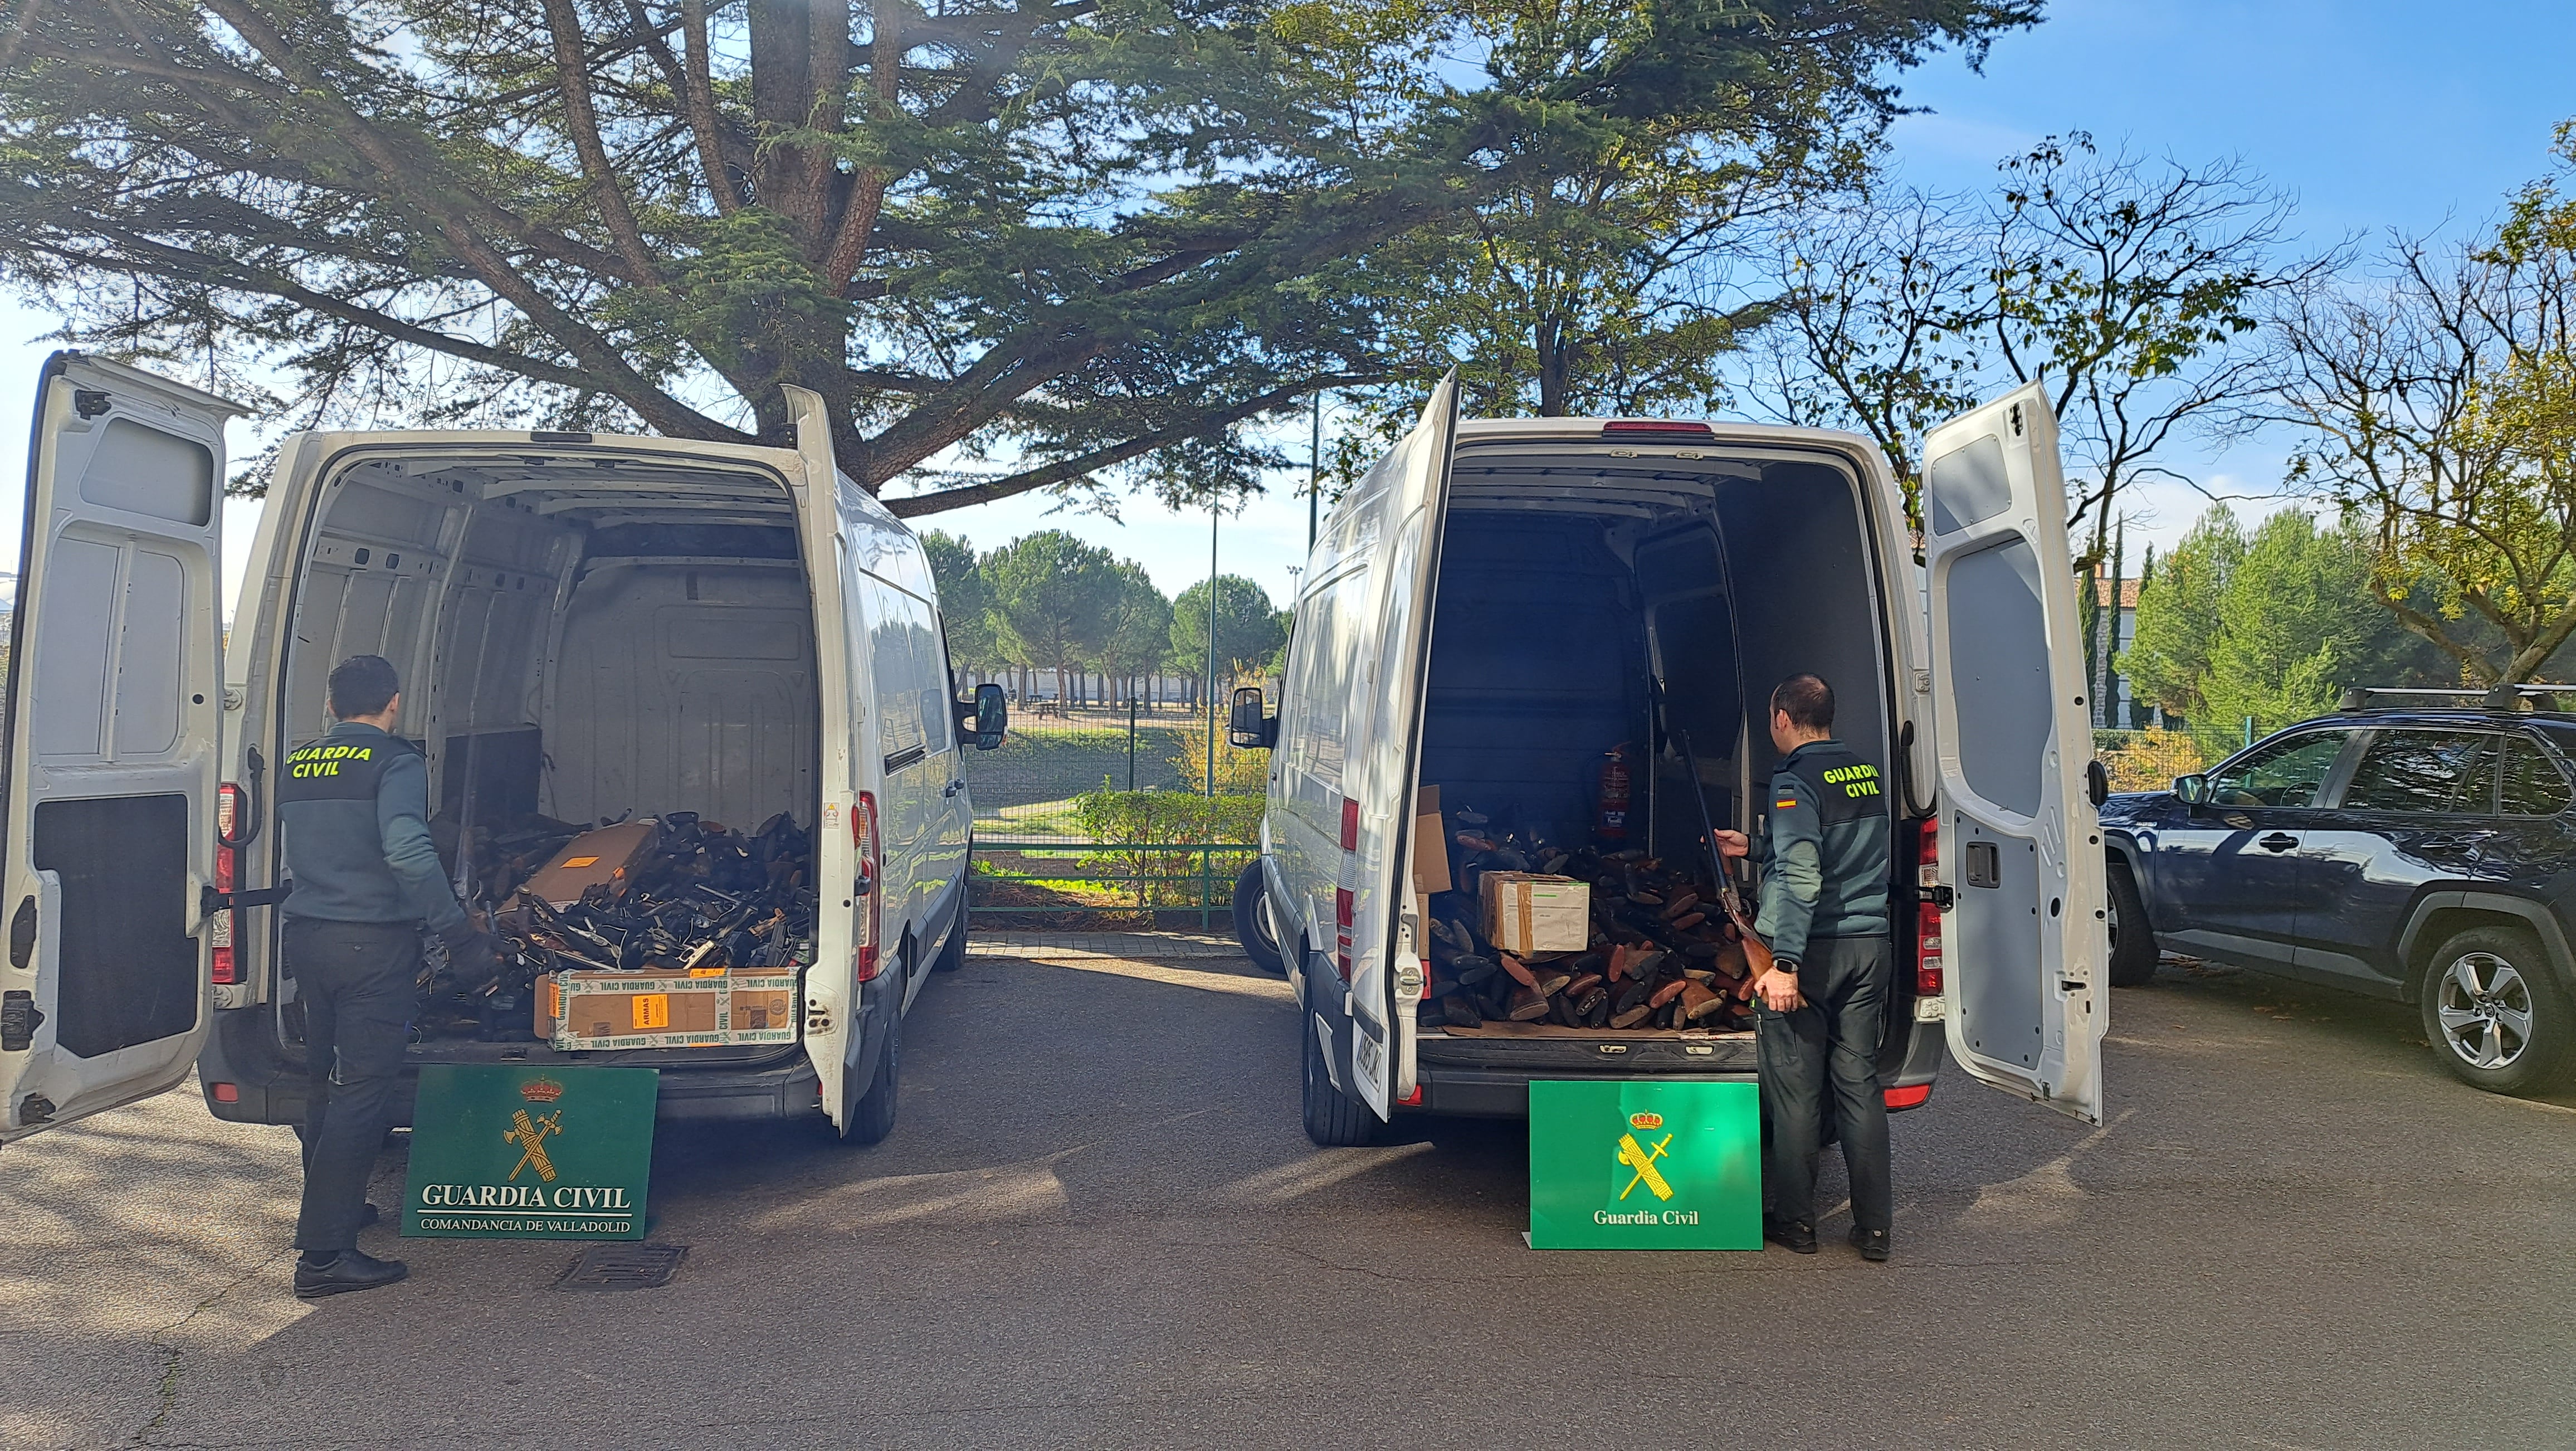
<point>987,718</point>
<point>2192,790</point>
<point>1246,728</point>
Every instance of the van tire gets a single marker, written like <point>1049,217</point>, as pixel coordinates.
<point>2133,942</point>
<point>872,1117</point>
<point>952,953</point>
<point>1252,921</point>
<point>1334,1120</point>
<point>2509,962</point>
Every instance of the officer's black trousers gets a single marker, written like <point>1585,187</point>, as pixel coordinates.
<point>358,984</point>
<point>1830,1045</point>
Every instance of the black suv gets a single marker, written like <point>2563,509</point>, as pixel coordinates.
<point>2420,855</point>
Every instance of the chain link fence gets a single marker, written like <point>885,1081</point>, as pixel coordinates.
<point>2147,760</point>
<point>1109,815</point>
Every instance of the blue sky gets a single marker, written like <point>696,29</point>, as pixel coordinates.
<point>2373,114</point>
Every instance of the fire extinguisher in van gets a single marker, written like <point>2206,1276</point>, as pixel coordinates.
<point>1612,824</point>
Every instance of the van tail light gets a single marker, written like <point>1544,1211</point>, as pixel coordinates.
<point>863,836</point>
<point>1350,824</point>
<point>1343,906</point>
<point>1913,1097</point>
<point>221,931</point>
<point>1655,427</point>
<point>1927,912</point>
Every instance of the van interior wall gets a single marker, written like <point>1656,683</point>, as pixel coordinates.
<point>684,687</point>
<point>1805,586</point>
<point>577,669</point>
<point>1538,668</point>
<point>1547,645</point>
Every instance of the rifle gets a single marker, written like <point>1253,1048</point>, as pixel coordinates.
<point>1757,954</point>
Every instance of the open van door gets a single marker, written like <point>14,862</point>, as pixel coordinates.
<point>831,985</point>
<point>1386,937</point>
<point>114,704</point>
<point>2020,845</point>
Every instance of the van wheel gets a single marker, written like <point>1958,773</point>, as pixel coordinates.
<point>2133,943</point>
<point>952,953</point>
<point>872,1118</point>
<point>2496,1014</point>
<point>1253,926</point>
<point>1334,1120</point>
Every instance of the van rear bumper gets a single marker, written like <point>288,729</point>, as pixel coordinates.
<point>1490,1077</point>
<point>242,1055</point>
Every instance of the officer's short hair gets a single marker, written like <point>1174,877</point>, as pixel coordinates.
<point>362,685</point>
<point>1806,699</point>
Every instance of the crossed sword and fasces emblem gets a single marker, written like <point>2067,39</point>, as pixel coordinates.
<point>1642,1159</point>
<point>530,1135</point>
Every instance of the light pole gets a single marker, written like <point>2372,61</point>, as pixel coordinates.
<point>1315,474</point>
<point>1211,673</point>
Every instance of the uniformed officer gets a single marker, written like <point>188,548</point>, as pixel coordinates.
<point>1821,1009</point>
<point>353,809</point>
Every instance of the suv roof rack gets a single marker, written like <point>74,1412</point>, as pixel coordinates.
<point>2494,697</point>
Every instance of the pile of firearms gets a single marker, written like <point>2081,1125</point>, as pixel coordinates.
<point>701,895</point>
<point>1662,955</point>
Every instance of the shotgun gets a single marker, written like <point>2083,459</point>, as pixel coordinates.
<point>1757,955</point>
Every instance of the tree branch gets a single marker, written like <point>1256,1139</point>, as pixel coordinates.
<point>1067,470</point>
<point>650,402</point>
<point>581,117</point>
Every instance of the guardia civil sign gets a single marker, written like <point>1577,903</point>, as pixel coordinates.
<point>517,1152</point>
<point>1645,1165</point>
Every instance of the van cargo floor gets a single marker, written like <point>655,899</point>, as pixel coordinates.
<point>1625,1035</point>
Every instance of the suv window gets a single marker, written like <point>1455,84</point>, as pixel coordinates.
<point>2426,771</point>
<point>2288,773</point>
<point>2533,785</point>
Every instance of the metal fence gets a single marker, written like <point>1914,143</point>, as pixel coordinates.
<point>2147,760</point>
<point>1102,811</point>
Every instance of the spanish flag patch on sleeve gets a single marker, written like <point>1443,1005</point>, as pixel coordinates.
<point>1784,804</point>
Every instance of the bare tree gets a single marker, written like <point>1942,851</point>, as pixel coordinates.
<point>2437,406</point>
<point>1877,326</point>
<point>2133,288</point>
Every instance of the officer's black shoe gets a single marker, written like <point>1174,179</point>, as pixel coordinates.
<point>1790,1235</point>
<point>1872,1244</point>
<point>350,1269</point>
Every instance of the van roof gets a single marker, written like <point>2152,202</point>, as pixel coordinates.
<point>1693,434</point>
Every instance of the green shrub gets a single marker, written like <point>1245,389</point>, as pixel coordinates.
<point>1133,831</point>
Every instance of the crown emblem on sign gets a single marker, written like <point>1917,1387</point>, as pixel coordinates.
<point>1635,1120</point>
<point>541,1090</point>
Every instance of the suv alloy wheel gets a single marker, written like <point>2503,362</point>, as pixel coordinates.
<point>2496,1013</point>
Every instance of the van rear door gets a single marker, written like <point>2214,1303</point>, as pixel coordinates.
<point>831,984</point>
<point>114,706</point>
<point>2020,845</point>
<point>1386,968</point>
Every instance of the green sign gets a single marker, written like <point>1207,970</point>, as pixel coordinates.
<point>530,1153</point>
<point>1645,1165</point>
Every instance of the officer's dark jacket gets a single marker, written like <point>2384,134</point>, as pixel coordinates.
<point>1825,864</point>
<point>353,808</point>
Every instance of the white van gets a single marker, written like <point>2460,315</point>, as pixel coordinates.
<point>598,625</point>
<point>1497,604</point>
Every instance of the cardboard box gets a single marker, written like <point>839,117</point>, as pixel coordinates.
<point>1530,912</point>
<point>1430,843</point>
<point>591,858</point>
<point>594,1010</point>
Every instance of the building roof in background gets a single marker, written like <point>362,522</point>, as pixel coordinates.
<point>2128,591</point>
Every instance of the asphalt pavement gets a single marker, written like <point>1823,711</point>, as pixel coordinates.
<point>1097,1223</point>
